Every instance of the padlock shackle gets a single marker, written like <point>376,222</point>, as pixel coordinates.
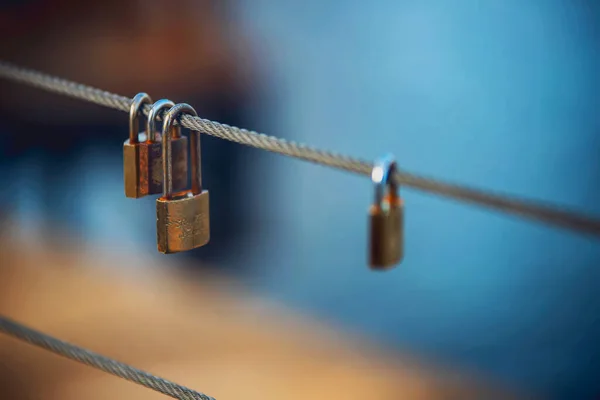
<point>157,107</point>
<point>134,124</point>
<point>170,117</point>
<point>383,170</point>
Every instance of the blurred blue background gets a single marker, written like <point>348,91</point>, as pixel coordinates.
<point>500,94</point>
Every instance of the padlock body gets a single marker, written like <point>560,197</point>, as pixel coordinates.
<point>182,222</point>
<point>386,233</point>
<point>143,168</point>
<point>131,169</point>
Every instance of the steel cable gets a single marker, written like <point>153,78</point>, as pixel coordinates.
<point>97,361</point>
<point>528,209</point>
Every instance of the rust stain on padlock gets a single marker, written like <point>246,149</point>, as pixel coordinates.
<point>143,166</point>
<point>133,149</point>
<point>131,170</point>
<point>179,146</point>
<point>142,153</point>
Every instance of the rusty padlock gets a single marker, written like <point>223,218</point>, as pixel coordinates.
<point>182,218</point>
<point>142,152</point>
<point>131,148</point>
<point>386,218</point>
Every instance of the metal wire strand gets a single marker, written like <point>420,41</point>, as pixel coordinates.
<point>528,209</point>
<point>105,364</point>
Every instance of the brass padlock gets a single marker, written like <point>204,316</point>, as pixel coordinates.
<point>142,152</point>
<point>386,217</point>
<point>182,218</point>
<point>131,148</point>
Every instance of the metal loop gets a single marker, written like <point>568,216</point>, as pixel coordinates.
<point>157,107</point>
<point>170,117</point>
<point>381,175</point>
<point>134,110</point>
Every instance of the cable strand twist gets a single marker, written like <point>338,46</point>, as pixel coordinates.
<point>526,209</point>
<point>97,361</point>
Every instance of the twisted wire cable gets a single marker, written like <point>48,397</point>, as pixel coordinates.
<point>527,209</point>
<point>97,361</point>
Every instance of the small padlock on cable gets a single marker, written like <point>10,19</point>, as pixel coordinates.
<point>386,218</point>
<point>182,218</point>
<point>142,152</point>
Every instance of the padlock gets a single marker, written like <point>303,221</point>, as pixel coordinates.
<point>143,152</point>
<point>386,215</point>
<point>182,218</point>
<point>131,148</point>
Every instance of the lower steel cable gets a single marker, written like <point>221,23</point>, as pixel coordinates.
<point>97,361</point>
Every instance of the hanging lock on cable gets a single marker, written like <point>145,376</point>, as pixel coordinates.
<point>182,218</point>
<point>386,217</point>
<point>142,152</point>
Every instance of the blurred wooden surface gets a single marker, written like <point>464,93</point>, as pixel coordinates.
<point>205,333</point>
